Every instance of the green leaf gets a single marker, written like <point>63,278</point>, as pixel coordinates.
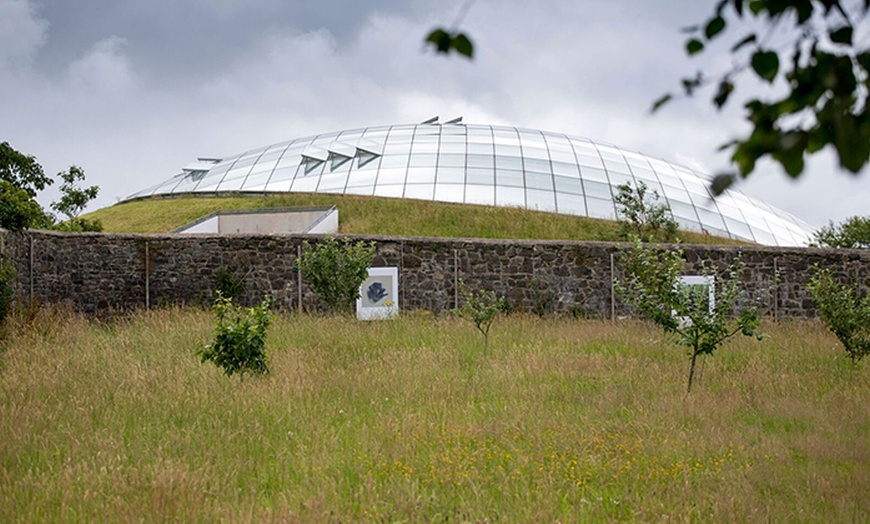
<point>722,182</point>
<point>714,27</point>
<point>440,39</point>
<point>842,35</point>
<point>748,39</point>
<point>694,46</point>
<point>725,90</point>
<point>462,44</point>
<point>765,64</point>
<point>660,102</point>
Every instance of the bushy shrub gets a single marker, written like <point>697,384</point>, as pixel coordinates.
<point>240,337</point>
<point>336,269</point>
<point>480,308</point>
<point>639,214</point>
<point>844,311</point>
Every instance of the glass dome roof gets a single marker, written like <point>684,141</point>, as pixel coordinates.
<point>490,165</point>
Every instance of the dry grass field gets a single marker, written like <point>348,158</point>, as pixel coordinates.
<point>406,421</point>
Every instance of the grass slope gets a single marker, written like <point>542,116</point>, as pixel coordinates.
<point>377,216</point>
<point>568,421</point>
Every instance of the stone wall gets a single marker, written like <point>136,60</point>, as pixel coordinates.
<point>97,273</point>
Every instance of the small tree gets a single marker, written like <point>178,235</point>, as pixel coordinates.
<point>240,337</point>
<point>335,270</point>
<point>481,307</point>
<point>73,201</point>
<point>844,311</point>
<point>652,288</point>
<point>854,233</point>
<point>639,214</point>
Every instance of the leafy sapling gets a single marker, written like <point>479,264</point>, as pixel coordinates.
<point>240,337</point>
<point>653,289</point>
<point>481,307</point>
<point>845,312</point>
<point>335,270</point>
<point>640,214</point>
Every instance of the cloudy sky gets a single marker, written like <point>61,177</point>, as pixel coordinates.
<point>132,90</point>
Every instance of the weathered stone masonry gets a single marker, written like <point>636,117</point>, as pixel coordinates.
<point>96,273</point>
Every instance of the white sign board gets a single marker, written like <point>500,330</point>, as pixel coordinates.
<point>701,290</point>
<point>379,294</point>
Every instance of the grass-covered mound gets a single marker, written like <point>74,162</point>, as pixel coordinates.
<point>376,216</point>
<point>406,421</point>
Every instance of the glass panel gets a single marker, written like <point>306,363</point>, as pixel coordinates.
<point>534,143</point>
<point>392,148</point>
<point>421,175</point>
<point>738,229</point>
<point>536,153</point>
<point>710,219</point>
<point>449,192</point>
<point>448,160</point>
<point>683,210</point>
<point>480,176</point>
<point>566,157</point>
<point>564,169</point>
<point>425,160</point>
<point>591,161</point>
<point>509,162</point>
<point>362,178</point>
<point>482,149</point>
<point>453,148</point>
<point>600,208</point>
<point>537,165</point>
<point>510,196</point>
<point>360,190</point>
<point>568,185</point>
<point>480,194</point>
<point>593,174</point>
<point>332,181</point>
<point>306,184</point>
<point>487,161</point>
<point>424,146</point>
<point>420,191</point>
<point>282,174</point>
<point>616,166</point>
<point>509,178</point>
<point>391,176</point>
<point>389,161</point>
<point>389,190</point>
<point>617,179</point>
<point>539,181</point>
<point>312,167</point>
<point>598,190</point>
<point>256,181</point>
<point>540,200</point>
<point>367,160</point>
<point>570,204</point>
<point>763,237</point>
<point>450,175</point>
<point>508,150</point>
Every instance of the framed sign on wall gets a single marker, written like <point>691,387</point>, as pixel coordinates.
<point>379,294</point>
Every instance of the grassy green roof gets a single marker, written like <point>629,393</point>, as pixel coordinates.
<point>376,216</point>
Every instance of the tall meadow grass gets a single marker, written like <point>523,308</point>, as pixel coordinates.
<point>405,420</point>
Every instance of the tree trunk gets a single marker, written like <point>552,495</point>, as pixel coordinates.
<point>692,370</point>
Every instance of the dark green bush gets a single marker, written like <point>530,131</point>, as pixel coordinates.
<point>240,337</point>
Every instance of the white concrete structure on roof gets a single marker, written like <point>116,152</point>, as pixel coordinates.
<point>488,165</point>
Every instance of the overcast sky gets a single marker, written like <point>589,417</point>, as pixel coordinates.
<point>132,90</point>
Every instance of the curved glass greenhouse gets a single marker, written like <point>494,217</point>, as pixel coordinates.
<point>489,165</point>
